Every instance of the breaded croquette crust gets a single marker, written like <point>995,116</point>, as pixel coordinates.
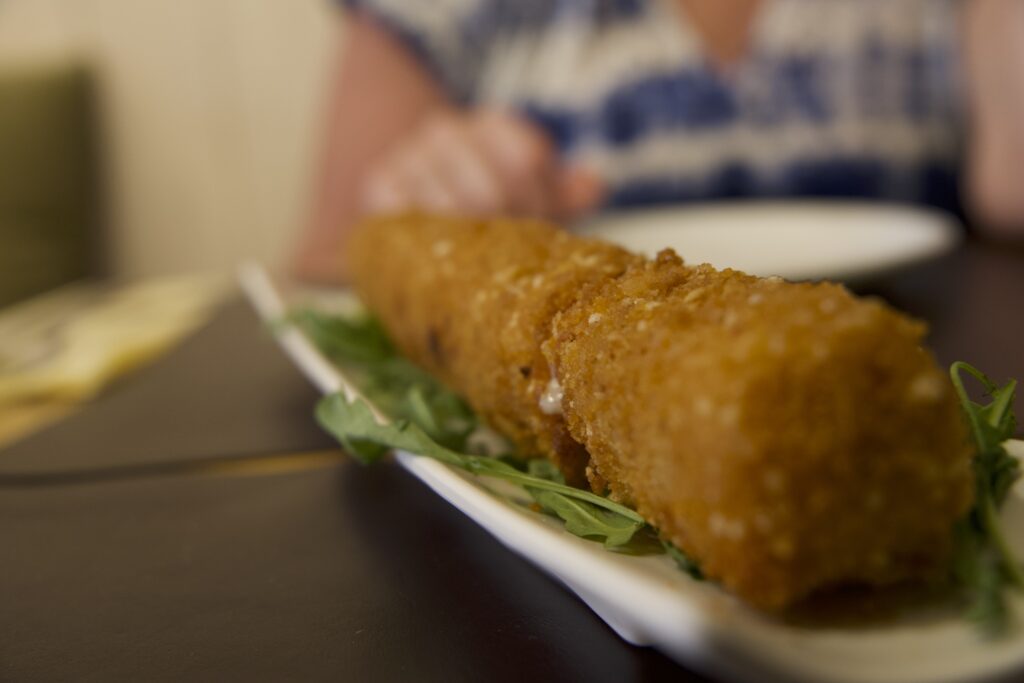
<point>472,301</point>
<point>787,436</point>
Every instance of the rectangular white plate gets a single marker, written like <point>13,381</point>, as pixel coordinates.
<point>650,602</point>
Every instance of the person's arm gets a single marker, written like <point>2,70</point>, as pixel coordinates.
<point>395,142</point>
<point>994,51</point>
<point>379,93</point>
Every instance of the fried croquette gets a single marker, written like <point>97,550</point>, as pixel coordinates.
<point>472,302</point>
<point>788,437</point>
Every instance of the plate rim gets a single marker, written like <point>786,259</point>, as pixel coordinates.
<point>724,647</point>
<point>946,229</point>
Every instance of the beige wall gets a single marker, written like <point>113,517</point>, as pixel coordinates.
<point>210,111</point>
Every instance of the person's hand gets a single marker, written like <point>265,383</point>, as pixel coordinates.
<point>482,162</point>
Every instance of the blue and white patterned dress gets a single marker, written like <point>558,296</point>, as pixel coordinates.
<point>845,98</point>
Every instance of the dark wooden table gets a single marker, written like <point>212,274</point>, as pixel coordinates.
<point>153,536</point>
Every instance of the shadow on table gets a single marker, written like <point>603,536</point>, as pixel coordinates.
<point>459,594</point>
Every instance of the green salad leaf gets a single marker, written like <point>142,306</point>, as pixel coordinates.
<point>432,421</point>
<point>585,514</point>
<point>393,384</point>
<point>355,339</point>
<point>983,561</point>
<point>429,420</point>
<point>586,519</point>
<point>683,561</point>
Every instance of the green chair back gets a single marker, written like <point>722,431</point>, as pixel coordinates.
<point>48,188</point>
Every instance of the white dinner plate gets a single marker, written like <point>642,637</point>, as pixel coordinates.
<point>797,240</point>
<point>648,601</point>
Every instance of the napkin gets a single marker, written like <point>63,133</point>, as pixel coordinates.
<point>65,346</point>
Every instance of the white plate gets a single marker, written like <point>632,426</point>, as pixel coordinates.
<point>795,240</point>
<point>648,601</point>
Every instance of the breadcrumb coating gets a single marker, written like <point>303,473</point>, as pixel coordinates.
<point>472,301</point>
<point>789,437</point>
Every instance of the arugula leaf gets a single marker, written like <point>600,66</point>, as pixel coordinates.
<point>354,422</point>
<point>983,561</point>
<point>356,339</point>
<point>585,513</point>
<point>646,541</point>
<point>683,561</point>
<point>545,469</point>
<point>988,608</point>
<point>395,385</point>
<point>587,520</point>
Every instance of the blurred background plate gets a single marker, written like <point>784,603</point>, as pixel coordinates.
<point>795,240</point>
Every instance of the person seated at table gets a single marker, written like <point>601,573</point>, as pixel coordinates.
<point>556,108</point>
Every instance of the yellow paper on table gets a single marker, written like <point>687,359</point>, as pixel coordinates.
<point>67,345</point>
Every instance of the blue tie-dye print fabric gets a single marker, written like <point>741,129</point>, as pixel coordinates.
<point>834,98</point>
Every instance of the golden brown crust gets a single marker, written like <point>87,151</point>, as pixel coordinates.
<point>472,301</point>
<point>787,436</point>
